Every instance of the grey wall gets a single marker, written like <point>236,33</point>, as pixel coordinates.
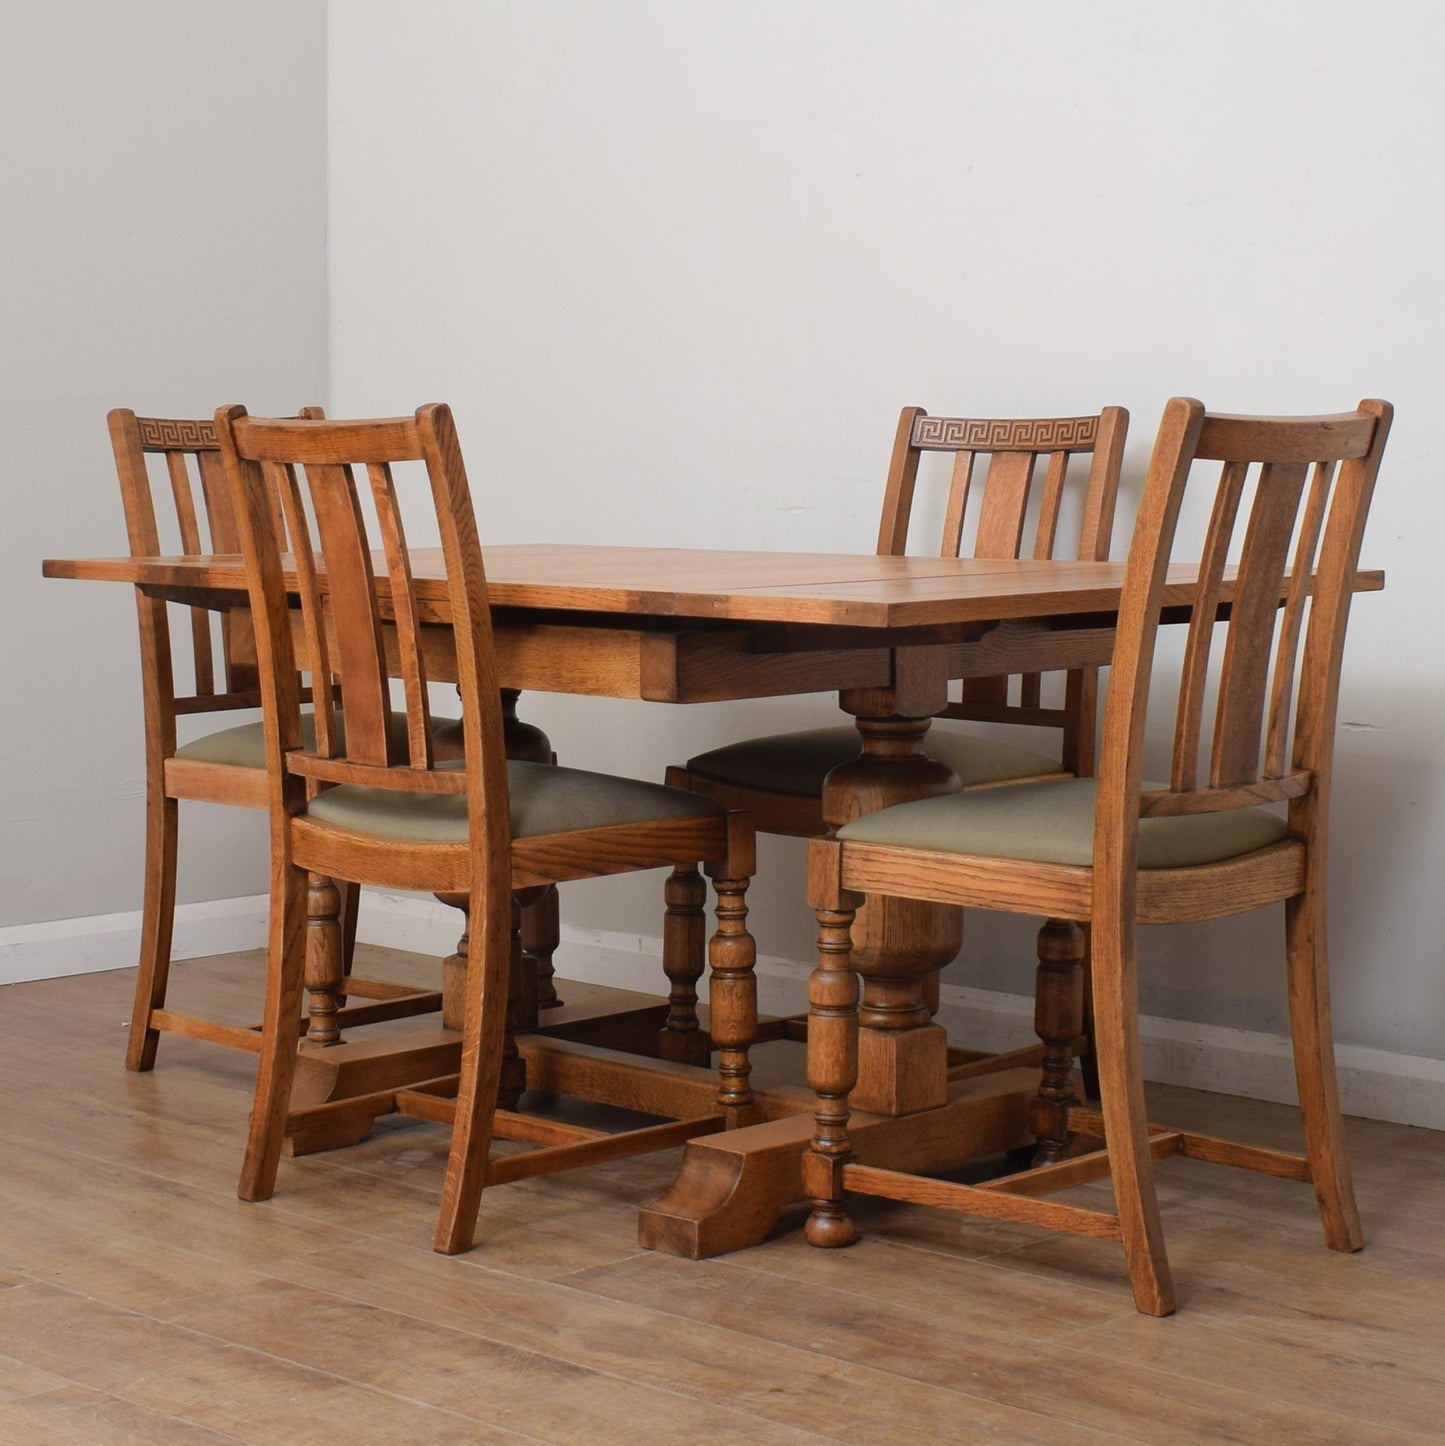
<point>163,174</point>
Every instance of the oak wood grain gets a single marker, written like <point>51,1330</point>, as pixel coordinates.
<point>1290,502</point>
<point>365,614</point>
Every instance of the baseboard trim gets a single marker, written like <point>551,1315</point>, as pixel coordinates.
<point>59,947</point>
<point>1405,1089</point>
<point>1374,1083</point>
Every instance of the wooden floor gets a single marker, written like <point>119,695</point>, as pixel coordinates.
<point>140,1301</point>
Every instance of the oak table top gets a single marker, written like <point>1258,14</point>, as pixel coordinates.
<point>837,590</point>
<point>700,625</point>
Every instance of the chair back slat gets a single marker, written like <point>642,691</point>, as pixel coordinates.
<point>1004,507</point>
<point>346,601</point>
<point>294,525</point>
<point>1194,676</point>
<point>1296,492</point>
<point>1254,612</point>
<point>1296,601</point>
<point>408,623</point>
<point>1014,474</point>
<point>1047,531</point>
<point>191,545</point>
<point>220,516</point>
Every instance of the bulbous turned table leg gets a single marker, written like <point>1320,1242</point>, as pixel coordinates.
<point>898,944</point>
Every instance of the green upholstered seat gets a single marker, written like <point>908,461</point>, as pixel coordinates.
<point>245,746</point>
<point>544,800</point>
<point>1052,822</point>
<point>796,764</point>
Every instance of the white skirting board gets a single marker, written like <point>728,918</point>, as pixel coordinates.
<point>112,941</point>
<point>1406,1089</point>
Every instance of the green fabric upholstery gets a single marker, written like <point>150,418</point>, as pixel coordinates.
<point>544,800</point>
<point>796,764</point>
<point>245,746</point>
<point>1052,822</point>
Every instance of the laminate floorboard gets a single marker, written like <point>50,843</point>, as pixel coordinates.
<point>140,1301</point>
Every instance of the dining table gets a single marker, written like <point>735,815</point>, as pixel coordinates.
<point>888,635</point>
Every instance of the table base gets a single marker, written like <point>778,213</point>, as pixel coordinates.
<point>733,1185</point>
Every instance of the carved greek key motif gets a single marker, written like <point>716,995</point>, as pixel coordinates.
<point>162,434</point>
<point>1046,434</point>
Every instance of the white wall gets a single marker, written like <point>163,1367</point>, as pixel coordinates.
<point>163,174</point>
<point>677,266</point>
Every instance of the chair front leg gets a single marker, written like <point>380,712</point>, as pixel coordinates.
<point>276,1068</point>
<point>484,1033</point>
<point>1314,1065</point>
<point>1126,1126</point>
<point>158,912</point>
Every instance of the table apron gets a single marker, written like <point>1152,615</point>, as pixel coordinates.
<point>686,667</point>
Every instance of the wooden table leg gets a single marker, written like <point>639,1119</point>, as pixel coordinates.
<point>899,945</point>
<point>734,1185</point>
<point>905,1112</point>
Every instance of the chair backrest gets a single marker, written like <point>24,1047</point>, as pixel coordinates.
<point>197,502</point>
<point>200,505</point>
<point>1014,471</point>
<point>1276,577</point>
<point>298,478</point>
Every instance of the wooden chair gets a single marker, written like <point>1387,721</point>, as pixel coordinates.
<point>1120,852</point>
<point>1016,505</point>
<point>388,814</point>
<point>779,778</point>
<point>221,767</point>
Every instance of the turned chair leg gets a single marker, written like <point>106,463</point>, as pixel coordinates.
<point>324,953</point>
<point>684,946</point>
<point>1314,1064</point>
<point>732,981</point>
<point>832,1073</point>
<point>1058,1020</point>
<point>276,1068</point>
<point>158,912</point>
